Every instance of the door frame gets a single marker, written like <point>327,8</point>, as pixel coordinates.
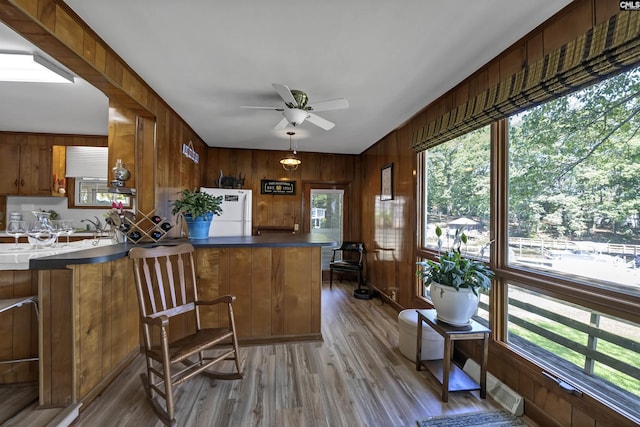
<point>345,186</point>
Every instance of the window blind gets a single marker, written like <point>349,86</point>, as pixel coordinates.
<point>87,162</point>
<point>607,49</point>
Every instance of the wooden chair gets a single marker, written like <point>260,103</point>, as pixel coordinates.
<point>10,304</point>
<point>165,280</point>
<point>348,258</point>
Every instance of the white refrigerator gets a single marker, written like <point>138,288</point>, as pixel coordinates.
<point>235,219</point>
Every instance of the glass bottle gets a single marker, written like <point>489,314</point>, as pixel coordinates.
<point>120,172</point>
<point>40,232</point>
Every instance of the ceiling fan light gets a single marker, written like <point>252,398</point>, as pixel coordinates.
<point>295,116</point>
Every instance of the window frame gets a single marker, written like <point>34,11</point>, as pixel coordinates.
<point>429,252</point>
<point>72,189</point>
<point>576,290</point>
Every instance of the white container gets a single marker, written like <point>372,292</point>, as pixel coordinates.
<point>432,342</point>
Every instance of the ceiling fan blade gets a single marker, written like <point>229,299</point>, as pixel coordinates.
<point>282,124</point>
<point>262,108</point>
<point>331,104</point>
<point>320,122</point>
<point>286,95</point>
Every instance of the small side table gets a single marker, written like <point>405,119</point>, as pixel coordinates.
<point>449,375</point>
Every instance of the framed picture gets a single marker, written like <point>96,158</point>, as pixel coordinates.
<point>386,182</point>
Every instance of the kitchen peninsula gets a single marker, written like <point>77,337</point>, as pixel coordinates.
<point>89,327</point>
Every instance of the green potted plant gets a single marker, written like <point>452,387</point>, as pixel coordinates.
<point>198,209</point>
<point>455,280</point>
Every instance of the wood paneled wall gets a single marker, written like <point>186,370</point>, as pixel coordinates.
<point>90,328</point>
<point>395,264</point>
<point>54,27</point>
<point>277,291</point>
<point>388,228</point>
<point>286,210</point>
<point>16,325</point>
<point>51,139</point>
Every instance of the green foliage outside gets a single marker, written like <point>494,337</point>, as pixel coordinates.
<point>574,165</point>
<point>611,375</point>
<point>574,168</point>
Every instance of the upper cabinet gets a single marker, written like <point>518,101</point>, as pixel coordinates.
<point>34,164</point>
<point>27,169</point>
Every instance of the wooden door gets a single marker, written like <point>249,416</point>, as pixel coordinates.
<point>10,171</point>
<point>35,170</point>
<point>41,175</point>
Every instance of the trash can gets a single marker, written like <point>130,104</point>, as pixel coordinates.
<point>432,342</point>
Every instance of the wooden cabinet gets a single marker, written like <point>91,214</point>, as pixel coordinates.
<point>27,169</point>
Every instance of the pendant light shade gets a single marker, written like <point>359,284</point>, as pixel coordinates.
<point>290,162</point>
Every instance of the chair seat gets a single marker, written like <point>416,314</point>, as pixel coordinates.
<point>188,346</point>
<point>346,265</point>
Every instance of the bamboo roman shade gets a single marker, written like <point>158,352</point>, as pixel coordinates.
<point>604,50</point>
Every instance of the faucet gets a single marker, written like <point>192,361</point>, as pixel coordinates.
<point>97,225</point>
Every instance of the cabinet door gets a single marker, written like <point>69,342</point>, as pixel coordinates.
<point>10,171</point>
<point>35,170</point>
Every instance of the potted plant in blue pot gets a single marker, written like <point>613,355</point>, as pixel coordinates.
<point>198,210</point>
<point>456,281</point>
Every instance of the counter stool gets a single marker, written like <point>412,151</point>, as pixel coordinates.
<point>11,303</point>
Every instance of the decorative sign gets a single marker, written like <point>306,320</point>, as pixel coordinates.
<point>190,153</point>
<point>268,186</point>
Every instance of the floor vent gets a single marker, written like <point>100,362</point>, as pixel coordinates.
<point>501,393</point>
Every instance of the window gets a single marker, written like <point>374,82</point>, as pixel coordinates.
<point>457,195</point>
<point>90,192</point>
<point>327,218</point>
<point>574,222</point>
<point>574,185</point>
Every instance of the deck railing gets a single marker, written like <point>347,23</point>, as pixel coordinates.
<point>549,244</point>
<point>617,353</point>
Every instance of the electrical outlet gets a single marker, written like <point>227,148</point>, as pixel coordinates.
<point>26,207</point>
<point>296,227</point>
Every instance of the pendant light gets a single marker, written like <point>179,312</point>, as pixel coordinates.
<point>290,162</point>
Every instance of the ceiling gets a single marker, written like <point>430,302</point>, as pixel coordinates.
<point>389,59</point>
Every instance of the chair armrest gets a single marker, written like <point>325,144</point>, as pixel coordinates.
<point>226,299</point>
<point>162,321</point>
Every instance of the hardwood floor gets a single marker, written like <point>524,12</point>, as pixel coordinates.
<point>16,398</point>
<point>355,377</point>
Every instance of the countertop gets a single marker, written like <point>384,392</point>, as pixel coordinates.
<point>110,252</point>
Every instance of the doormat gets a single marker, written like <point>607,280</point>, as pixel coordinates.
<point>476,419</point>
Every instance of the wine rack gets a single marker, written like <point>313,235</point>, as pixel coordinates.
<point>146,227</point>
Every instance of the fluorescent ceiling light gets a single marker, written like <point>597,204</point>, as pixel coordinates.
<point>25,67</point>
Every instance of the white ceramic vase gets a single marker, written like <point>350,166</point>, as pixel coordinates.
<point>454,307</point>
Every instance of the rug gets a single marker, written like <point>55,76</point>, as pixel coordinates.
<point>476,419</point>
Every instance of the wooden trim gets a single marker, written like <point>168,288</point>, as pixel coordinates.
<point>347,202</point>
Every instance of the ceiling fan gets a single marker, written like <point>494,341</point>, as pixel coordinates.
<point>297,111</point>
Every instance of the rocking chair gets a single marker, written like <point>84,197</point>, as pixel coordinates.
<point>165,280</point>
